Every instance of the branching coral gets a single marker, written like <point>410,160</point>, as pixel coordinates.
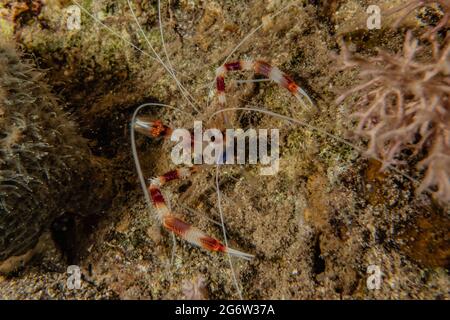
<point>404,104</point>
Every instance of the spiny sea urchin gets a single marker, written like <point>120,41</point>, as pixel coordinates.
<point>42,158</point>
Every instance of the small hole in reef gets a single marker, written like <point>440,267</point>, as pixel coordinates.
<point>183,188</point>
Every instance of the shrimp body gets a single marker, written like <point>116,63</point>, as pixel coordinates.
<point>155,129</point>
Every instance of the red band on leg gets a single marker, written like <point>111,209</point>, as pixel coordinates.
<point>171,175</point>
<point>220,84</point>
<point>212,244</point>
<point>263,68</point>
<point>233,66</point>
<point>156,195</point>
<point>176,225</point>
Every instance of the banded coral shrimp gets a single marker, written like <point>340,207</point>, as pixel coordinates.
<point>279,231</point>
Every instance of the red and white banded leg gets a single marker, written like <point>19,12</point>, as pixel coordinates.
<point>182,229</point>
<point>264,69</point>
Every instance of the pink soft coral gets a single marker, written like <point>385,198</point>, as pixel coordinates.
<point>404,104</point>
